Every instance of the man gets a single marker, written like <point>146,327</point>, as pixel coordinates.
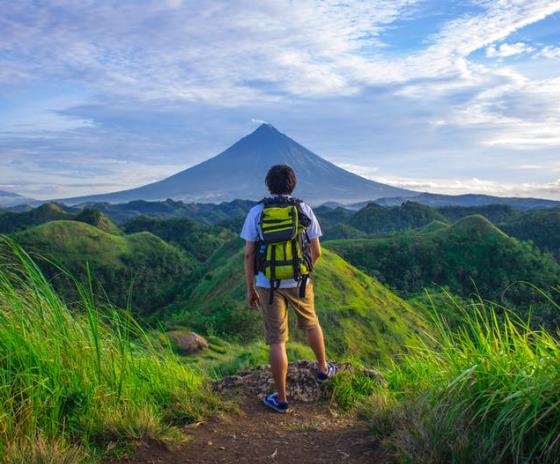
<point>281,181</point>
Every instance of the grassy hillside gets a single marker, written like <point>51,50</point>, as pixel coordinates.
<point>471,256</point>
<point>541,226</point>
<point>335,223</point>
<point>361,318</point>
<point>197,239</point>
<point>97,219</point>
<point>433,226</point>
<point>498,214</point>
<point>374,219</point>
<point>151,265</point>
<point>16,221</point>
<point>76,384</point>
<point>486,393</point>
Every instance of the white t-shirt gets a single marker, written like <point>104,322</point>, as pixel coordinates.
<point>251,233</point>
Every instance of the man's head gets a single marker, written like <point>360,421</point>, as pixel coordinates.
<point>281,180</point>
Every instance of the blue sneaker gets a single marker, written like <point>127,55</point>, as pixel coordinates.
<point>331,372</point>
<point>272,402</point>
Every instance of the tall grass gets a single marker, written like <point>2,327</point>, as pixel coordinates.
<point>76,382</point>
<point>487,392</point>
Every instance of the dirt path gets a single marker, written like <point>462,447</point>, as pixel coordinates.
<point>310,433</point>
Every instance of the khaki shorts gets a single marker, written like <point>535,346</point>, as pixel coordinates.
<point>275,315</point>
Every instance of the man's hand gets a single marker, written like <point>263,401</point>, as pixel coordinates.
<point>253,298</point>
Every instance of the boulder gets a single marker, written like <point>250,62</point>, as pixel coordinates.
<point>187,342</point>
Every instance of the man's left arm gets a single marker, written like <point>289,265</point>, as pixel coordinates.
<point>314,232</point>
<point>315,247</point>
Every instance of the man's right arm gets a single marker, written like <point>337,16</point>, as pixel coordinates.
<point>249,259</point>
<point>250,234</point>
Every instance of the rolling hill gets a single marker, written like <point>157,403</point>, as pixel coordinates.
<point>361,318</point>
<point>469,256</point>
<point>15,221</point>
<point>542,227</point>
<point>152,266</point>
<point>11,221</point>
<point>197,239</point>
<point>239,171</point>
<point>375,219</point>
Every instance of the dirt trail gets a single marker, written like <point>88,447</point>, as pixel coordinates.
<point>310,433</point>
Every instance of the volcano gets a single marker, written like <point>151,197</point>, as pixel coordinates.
<point>239,171</point>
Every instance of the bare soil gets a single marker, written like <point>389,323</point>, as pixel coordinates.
<point>309,433</point>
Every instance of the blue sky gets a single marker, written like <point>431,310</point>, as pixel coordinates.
<point>442,96</point>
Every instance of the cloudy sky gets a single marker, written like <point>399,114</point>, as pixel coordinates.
<point>435,95</point>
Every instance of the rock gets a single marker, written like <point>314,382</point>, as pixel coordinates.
<point>373,373</point>
<point>302,384</point>
<point>187,342</point>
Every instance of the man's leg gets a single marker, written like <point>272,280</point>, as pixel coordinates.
<point>276,325</point>
<point>279,365</point>
<point>307,320</point>
<point>317,344</point>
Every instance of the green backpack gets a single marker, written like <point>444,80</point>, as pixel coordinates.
<point>283,251</point>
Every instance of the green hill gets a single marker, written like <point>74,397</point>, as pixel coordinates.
<point>12,221</point>
<point>541,226</point>
<point>335,223</point>
<point>16,221</point>
<point>360,317</point>
<point>433,226</point>
<point>498,214</point>
<point>153,266</point>
<point>374,219</point>
<point>198,239</point>
<point>471,256</point>
<point>97,219</point>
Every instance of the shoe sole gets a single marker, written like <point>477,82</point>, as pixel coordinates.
<point>274,408</point>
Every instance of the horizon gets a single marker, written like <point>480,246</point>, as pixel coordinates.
<point>453,100</point>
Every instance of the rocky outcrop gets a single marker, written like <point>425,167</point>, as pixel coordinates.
<point>187,342</point>
<point>302,384</point>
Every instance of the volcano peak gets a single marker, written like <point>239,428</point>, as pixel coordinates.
<point>239,172</point>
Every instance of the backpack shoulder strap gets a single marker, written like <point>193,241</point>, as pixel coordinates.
<point>281,200</point>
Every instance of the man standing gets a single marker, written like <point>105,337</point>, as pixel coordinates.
<point>272,293</point>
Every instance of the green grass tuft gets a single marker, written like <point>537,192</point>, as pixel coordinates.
<point>487,392</point>
<point>75,383</point>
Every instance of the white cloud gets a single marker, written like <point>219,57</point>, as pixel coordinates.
<point>364,171</point>
<point>549,52</point>
<point>505,50</point>
<point>258,121</point>
<point>244,58</point>
<point>233,52</point>
<point>225,53</point>
<point>114,175</point>
<point>549,190</point>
